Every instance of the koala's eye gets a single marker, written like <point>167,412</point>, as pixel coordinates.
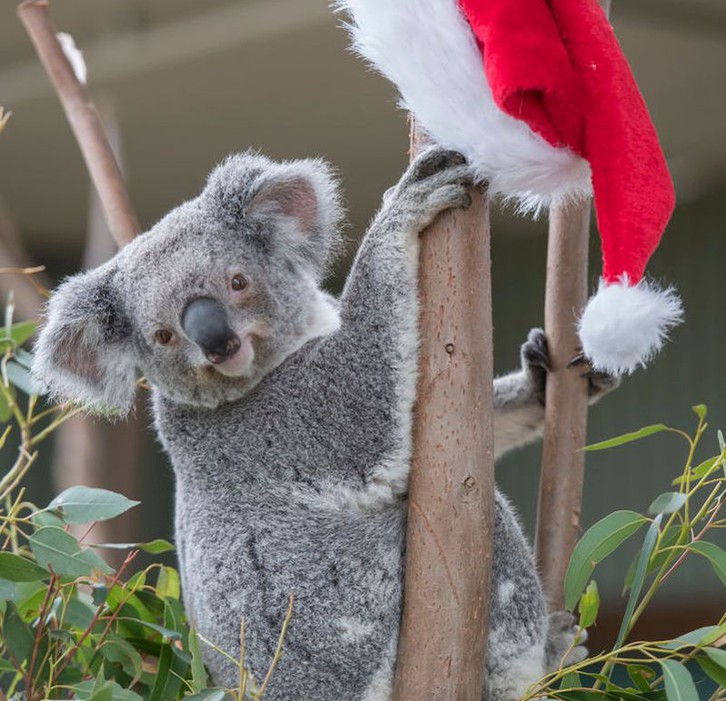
<point>239,282</point>
<point>163,336</point>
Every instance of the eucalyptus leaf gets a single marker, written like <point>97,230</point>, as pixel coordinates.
<point>679,684</point>
<point>641,675</point>
<point>199,679</point>
<point>596,544</point>
<point>17,569</point>
<point>693,638</point>
<point>208,695</point>
<point>641,568</point>
<point>700,410</point>
<point>715,555</point>
<point>155,547</point>
<point>716,655</point>
<point>589,605</point>
<point>667,503</point>
<point>22,379</point>
<point>56,549</point>
<point>86,504</point>
<point>628,437</point>
<point>168,583</point>
<point>17,635</point>
<point>714,671</point>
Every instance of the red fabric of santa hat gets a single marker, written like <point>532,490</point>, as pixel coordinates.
<point>539,97</point>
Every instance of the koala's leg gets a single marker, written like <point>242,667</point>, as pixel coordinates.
<point>518,623</point>
<point>519,397</point>
<point>563,641</point>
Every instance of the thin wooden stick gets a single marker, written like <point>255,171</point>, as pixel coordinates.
<point>83,118</point>
<point>448,562</point>
<point>563,462</point>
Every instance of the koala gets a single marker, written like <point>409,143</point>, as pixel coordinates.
<point>286,414</point>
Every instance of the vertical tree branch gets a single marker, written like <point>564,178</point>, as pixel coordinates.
<point>448,563</point>
<point>563,462</point>
<point>84,121</point>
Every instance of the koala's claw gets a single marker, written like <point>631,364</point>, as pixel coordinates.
<point>433,161</point>
<point>599,383</point>
<point>564,638</point>
<point>535,357</point>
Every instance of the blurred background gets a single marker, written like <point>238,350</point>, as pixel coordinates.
<point>181,83</point>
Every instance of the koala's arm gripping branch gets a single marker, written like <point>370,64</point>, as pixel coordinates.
<point>83,118</point>
<point>442,645</point>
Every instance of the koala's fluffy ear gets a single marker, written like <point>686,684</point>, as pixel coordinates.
<point>303,194</point>
<point>84,351</point>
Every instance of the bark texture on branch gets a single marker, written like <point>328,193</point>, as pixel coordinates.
<point>448,561</point>
<point>563,462</point>
<point>84,120</point>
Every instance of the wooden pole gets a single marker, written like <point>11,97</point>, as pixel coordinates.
<point>84,120</point>
<point>563,462</point>
<point>444,630</point>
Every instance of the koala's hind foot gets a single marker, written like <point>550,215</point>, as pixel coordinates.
<point>536,362</point>
<point>599,383</point>
<point>535,357</point>
<point>564,638</point>
<point>437,180</point>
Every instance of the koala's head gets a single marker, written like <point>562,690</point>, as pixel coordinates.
<point>208,301</point>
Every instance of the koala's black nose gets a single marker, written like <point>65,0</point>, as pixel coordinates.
<point>205,322</point>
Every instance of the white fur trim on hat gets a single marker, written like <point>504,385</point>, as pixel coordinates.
<point>624,326</point>
<point>427,49</point>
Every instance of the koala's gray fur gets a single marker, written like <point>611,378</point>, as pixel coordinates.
<point>292,471</point>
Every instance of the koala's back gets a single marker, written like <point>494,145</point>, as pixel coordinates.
<point>272,500</point>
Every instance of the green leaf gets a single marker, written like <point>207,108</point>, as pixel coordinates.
<point>17,569</point>
<point>208,695</point>
<point>155,547</point>
<point>628,437</point>
<point>700,636</point>
<point>699,471</point>
<point>22,331</point>
<point>86,504</point>
<point>167,583</point>
<point>714,554</point>
<point>56,549</point>
<point>595,545</point>
<point>716,655</point>
<point>19,591</point>
<point>172,669</point>
<point>641,568</point>
<point>571,680</point>
<point>167,633</point>
<point>589,605</point>
<point>721,440</point>
<point>700,410</point>
<point>123,654</point>
<point>667,503</point>
<point>679,685</point>
<point>641,675</point>
<point>718,674</point>
<point>22,379</point>
<point>199,679</point>
<point>17,636</point>
<point>46,518</point>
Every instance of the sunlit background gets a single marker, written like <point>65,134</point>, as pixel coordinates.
<point>182,83</point>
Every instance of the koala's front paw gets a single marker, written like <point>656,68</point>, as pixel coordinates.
<point>599,383</point>
<point>437,180</point>
<point>564,636</point>
<point>535,357</point>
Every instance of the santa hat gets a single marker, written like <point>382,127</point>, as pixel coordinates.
<point>539,97</point>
